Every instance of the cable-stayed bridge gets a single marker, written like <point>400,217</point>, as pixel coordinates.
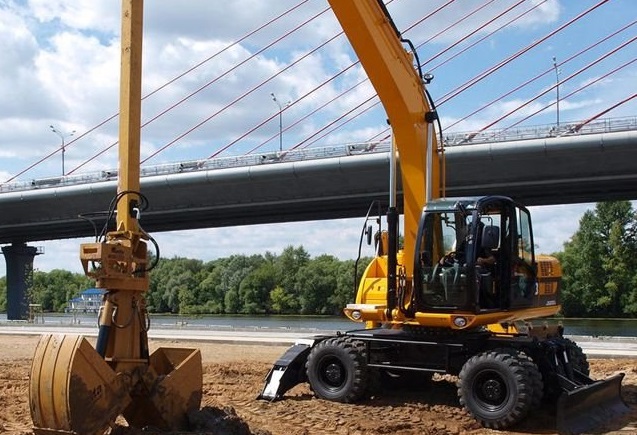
<point>534,166</point>
<point>493,68</point>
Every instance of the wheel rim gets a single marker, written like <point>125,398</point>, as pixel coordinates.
<point>490,390</point>
<point>332,373</point>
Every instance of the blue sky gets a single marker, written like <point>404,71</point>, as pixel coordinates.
<point>61,67</point>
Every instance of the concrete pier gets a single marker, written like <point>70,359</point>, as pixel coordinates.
<point>19,259</point>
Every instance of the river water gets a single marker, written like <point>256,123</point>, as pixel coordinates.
<point>589,327</point>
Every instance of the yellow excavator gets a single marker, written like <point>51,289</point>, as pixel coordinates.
<point>458,296</point>
<point>431,307</point>
<point>76,388</point>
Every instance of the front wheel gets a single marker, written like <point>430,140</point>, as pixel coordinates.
<point>337,370</point>
<point>495,388</point>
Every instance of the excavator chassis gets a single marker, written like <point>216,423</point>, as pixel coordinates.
<point>381,356</point>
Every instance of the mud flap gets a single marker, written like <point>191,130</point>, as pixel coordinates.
<point>288,371</point>
<point>591,405</point>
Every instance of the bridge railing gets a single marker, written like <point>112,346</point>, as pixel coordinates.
<point>541,131</point>
<point>314,153</point>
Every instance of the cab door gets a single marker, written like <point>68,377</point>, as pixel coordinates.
<point>523,272</point>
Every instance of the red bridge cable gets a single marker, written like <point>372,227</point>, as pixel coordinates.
<point>306,116</point>
<point>430,14</point>
<point>486,35</point>
<point>340,125</point>
<point>496,67</point>
<point>570,94</point>
<point>110,118</point>
<point>614,106</point>
<point>458,21</point>
<point>575,74</point>
<point>458,53</point>
<point>428,40</point>
<point>330,124</point>
<point>579,53</point>
<point>239,98</point>
<point>208,84</point>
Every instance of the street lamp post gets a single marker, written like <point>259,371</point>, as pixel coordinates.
<point>557,89</point>
<point>278,103</point>
<point>63,138</point>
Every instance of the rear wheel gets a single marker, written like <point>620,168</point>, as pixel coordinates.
<point>495,388</point>
<point>577,356</point>
<point>337,370</point>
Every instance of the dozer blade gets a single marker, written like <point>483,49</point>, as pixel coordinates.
<point>590,406</point>
<point>170,389</point>
<point>288,371</point>
<point>72,390</point>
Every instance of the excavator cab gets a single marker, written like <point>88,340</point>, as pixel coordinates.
<point>476,255</point>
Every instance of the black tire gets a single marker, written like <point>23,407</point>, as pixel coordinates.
<point>578,361</point>
<point>577,357</point>
<point>495,388</point>
<point>337,370</point>
<point>535,377</point>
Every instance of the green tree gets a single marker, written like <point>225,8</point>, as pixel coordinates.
<point>599,263</point>
<point>255,289</point>
<point>282,302</point>
<point>3,294</point>
<point>316,283</point>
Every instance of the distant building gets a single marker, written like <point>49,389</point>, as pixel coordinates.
<point>89,301</point>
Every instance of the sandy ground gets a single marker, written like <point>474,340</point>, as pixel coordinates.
<point>234,375</point>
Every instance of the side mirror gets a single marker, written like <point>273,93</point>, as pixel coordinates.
<point>368,233</point>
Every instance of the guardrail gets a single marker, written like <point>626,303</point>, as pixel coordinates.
<point>315,153</point>
<point>541,131</point>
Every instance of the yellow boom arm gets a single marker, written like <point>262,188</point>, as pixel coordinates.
<point>402,93</point>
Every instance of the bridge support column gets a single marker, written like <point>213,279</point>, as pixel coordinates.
<point>19,259</point>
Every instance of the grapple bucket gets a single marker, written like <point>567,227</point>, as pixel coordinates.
<point>590,406</point>
<point>288,371</point>
<point>72,389</point>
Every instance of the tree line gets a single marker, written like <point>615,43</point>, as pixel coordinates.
<point>289,283</point>
<point>599,277</point>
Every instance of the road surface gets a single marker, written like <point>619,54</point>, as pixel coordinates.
<point>597,347</point>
